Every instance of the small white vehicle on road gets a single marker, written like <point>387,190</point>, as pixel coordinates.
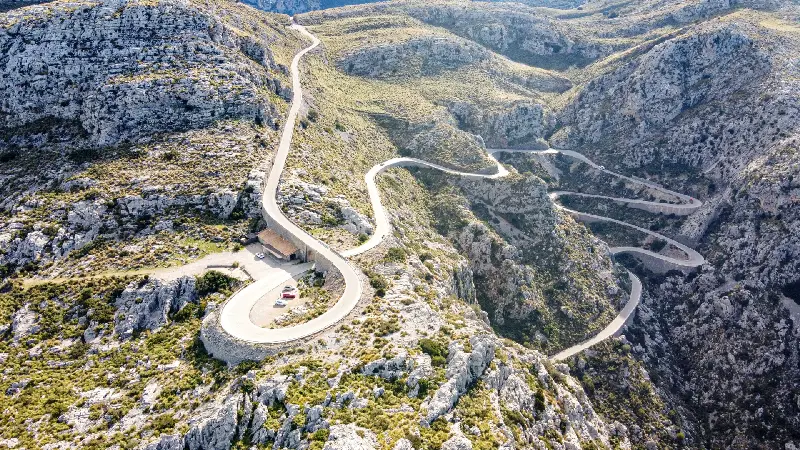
<point>601,167</point>
<point>260,255</point>
<point>281,303</point>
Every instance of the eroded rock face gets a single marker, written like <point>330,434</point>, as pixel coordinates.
<point>531,38</point>
<point>87,220</point>
<point>350,437</point>
<point>442,142</point>
<point>735,317</point>
<point>463,369</point>
<point>523,241</point>
<point>653,93</point>
<point>391,369</point>
<point>310,204</point>
<point>97,65</point>
<point>30,248</point>
<point>713,111</point>
<point>215,429</point>
<point>148,306</point>
<point>24,322</point>
<point>521,124</point>
<point>168,442</point>
<point>426,55</point>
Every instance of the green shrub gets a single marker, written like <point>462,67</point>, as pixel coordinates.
<point>437,351</point>
<point>396,254</point>
<point>658,245</point>
<point>330,220</point>
<point>171,155</point>
<point>438,361</point>
<point>86,294</point>
<point>50,230</point>
<point>83,155</point>
<point>8,156</point>
<point>187,312</point>
<point>164,422</point>
<point>387,328</point>
<point>539,402</point>
<point>213,281</point>
<point>514,416</point>
<point>320,435</point>
<point>378,282</point>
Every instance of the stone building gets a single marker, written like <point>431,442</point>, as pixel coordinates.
<point>277,246</point>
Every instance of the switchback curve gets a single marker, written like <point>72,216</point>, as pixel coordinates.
<point>249,332</point>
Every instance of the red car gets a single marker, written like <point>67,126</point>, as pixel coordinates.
<point>289,292</point>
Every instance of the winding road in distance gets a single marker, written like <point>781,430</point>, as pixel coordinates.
<point>234,317</point>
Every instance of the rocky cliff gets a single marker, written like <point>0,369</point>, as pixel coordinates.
<point>124,70</point>
<point>662,93</point>
<point>711,110</point>
<point>478,281</point>
<point>427,55</point>
<point>107,101</point>
<point>285,6</point>
<point>539,277</point>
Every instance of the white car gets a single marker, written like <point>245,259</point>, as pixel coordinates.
<point>601,167</point>
<point>281,303</point>
<point>260,255</point>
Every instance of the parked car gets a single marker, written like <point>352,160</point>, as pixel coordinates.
<point>281,303</point>
<point>289,292</point>
<point>260,255</point>
<point>601,167</point>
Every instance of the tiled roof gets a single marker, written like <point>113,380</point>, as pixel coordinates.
<point>277,242</point>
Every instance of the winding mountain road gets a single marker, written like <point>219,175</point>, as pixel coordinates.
<point>234,317</point>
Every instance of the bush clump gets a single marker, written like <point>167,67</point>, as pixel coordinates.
<point>214,281</point>
<point>164,422</point>
<point>436,350</point>
<point>378,282</point>
<point>396,254</point>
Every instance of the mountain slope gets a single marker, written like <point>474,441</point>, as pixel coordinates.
<point>135,141</point>
<point>713,111</point>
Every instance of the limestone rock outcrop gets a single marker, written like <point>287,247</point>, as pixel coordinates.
<point>432,54</point>
<point>463,369</point>
<point>350,437</point>
<point>149,306</point>
<point>97,66</point>
<point>285,6</point>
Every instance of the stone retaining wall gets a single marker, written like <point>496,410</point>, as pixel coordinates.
<point>303,252</point>
<point>225,347</point>
<point>658,265</point>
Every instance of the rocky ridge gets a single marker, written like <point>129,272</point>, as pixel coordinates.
<point>710,110</point>
<point>418,365</point>
<point>131,93</point>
